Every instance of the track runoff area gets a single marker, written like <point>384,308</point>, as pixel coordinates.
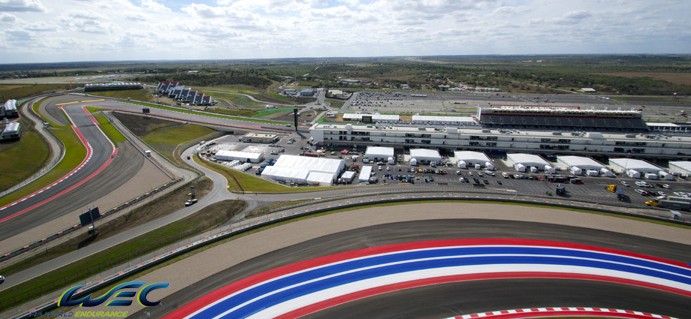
<point>310,286</point>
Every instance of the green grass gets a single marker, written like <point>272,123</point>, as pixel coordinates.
<point>187,111</point>
<point>26,156</point>
<point>267,112</point>
<point>207,218</point>
<point>238,100</point>
<point>75,152</point>
<point>18,91</point>
<point>141,95</point>
<point>243,182</point>
<point>111,132</point>
<point>166,139</point>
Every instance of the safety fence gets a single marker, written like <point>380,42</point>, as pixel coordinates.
<point>75,227</point>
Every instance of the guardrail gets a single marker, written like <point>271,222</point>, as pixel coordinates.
<point>298,211</point>
<point>67,231</point>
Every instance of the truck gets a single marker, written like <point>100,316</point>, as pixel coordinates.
<point>671,204</point>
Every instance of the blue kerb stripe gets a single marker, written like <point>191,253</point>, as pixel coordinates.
<point>433,253</point>
<point>420,265</point>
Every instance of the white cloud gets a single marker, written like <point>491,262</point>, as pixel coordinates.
<point>220,29</point>
<point>21,5</point>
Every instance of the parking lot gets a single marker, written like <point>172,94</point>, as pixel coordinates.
<point>445,177</point>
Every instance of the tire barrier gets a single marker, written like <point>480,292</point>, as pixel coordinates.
<point>75,227</point>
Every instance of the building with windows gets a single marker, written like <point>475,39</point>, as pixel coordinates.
<point>113,86</point>
<point>651,145</point>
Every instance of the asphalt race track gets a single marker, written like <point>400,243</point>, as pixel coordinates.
<point>64,197</point>
<point>452,299</point>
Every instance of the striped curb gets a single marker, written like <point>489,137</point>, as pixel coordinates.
<point>562,312</point>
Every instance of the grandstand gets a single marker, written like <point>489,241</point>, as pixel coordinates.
<point>113,86</point>
<point>562,118</point>
<point>175,90</point>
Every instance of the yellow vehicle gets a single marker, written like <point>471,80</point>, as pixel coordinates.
<point>612,188</point>
<point>652,202</point>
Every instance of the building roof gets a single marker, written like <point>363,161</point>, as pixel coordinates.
<point>425,153</point>
<point>277,172</point>
<point>526,159</point>
<point>444,119</point>
<point>685,165</point>
<point>379,151</point>
<point>634,164</point>
<point>12,127</point>
<point>311,164</point>
<point>239,154</point>
<point>470,155</point>
<point>375,117</point>
<point>320,178</point>
<point>580,161</point>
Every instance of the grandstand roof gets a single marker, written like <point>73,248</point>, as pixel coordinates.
<point>443,119</point>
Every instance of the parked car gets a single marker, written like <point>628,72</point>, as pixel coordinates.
<point>642,192</point>
<point>2,279</point>
<point>625,183</point>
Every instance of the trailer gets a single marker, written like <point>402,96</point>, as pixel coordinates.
<point>671,204</point>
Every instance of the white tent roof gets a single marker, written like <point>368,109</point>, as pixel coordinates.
<point>685,165</point>
<point>378,151</point>
<point>348,174</point>
<point>320,178</point>
<point>634,164</point>
<point>310,164</point>
<point>526,159</point>
<point>285,173</point>
<point>365,173</point>
<point>424,153</point>
<point>238,154</point>
<point>580,161</point>
<point>471,156</point>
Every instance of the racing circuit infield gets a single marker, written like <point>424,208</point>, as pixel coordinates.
<point>370,228</point>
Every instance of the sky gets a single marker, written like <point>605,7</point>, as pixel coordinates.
<point>33,31</point>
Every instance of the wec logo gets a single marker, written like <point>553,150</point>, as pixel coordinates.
<point>122,295</point>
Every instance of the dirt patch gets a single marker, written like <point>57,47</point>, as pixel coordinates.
<point>140,125</point>
<point>676,78</point>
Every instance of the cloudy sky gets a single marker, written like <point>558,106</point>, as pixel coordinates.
<point>98,30</point>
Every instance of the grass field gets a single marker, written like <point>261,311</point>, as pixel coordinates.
<point>676,78</point>
<point>165,136</point>
<point>204,113</point>
<point>75,152</point>
<point>238,100</point>
<point>26,156</point>
<point>111,132</point>
<point>18,91</point>
<point>203,220</point>
<point>140,95</point>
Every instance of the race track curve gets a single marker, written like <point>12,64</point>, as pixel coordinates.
<point>104,169</point>
<point>453,298</point>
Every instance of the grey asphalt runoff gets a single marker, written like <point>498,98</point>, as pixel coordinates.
<point>122,169</point>
<point>448,300</point>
